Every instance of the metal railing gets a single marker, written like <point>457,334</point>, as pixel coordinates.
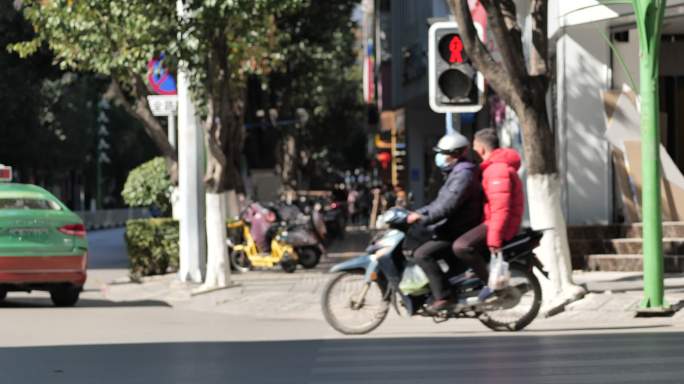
<point>110,218</point>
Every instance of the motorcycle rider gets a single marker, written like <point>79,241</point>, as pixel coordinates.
<point>456,209</point>
<point>503,208</point>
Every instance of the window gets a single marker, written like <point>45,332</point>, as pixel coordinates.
<point>27,203</point>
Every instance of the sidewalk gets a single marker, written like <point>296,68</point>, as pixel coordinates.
<point>613,296</point>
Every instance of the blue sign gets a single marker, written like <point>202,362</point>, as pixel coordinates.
<point>161,81</point>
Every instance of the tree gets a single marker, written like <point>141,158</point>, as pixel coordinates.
<point>321,76</point>
<point>111,38</point>
<point>225,41</point>
<point>218,43</point>
<point>523,82</point>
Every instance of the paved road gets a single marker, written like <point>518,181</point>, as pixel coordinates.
<point>147,341</point>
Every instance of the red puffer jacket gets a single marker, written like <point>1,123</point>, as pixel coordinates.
<point>504,201</point>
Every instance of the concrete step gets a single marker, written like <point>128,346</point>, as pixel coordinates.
<point>616,231</point>
<point>626,246</point>
<point>631,263</point>
<point>671,246</point>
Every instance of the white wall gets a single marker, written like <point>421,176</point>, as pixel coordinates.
<point>630,53</point>
<point>583,59</point>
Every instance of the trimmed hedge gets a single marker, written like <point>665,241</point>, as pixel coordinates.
<point>152,246</point>
<point>149,185</point>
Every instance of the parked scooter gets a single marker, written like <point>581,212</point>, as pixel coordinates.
<point>305,232</point>
<point>261,239</point>
<point>357,298</point>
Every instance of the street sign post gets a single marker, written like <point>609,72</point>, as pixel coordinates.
<point>166,105</point>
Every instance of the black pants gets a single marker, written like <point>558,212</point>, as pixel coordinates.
<point>471,247</point>
<point>426,257</point>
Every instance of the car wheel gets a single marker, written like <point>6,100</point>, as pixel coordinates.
<point>65,295</point>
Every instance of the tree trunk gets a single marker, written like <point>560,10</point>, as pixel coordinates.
<point>544,201</point>
<point>224,136</point>
<point>218,266</point>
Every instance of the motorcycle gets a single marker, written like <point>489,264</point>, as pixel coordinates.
<point>357,299</point>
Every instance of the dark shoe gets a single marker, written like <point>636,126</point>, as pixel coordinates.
<point>439,305</point>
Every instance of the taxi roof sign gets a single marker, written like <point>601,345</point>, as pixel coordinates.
<point>5,173</point>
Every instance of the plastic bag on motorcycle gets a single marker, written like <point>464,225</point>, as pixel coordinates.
<point>413,280</point>
<point>499,274</point>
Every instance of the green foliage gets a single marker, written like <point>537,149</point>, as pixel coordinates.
<point>103,37</point>
<point>323,76</point>
<point>152,246</point>
<point>149,185</point>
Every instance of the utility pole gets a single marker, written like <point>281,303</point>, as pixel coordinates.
<point>191,188</point>
<point>649,17</point>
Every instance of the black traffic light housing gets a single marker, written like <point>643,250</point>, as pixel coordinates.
<point>454,84</point>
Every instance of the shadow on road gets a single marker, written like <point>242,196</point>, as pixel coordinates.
<point>605,358</point>
<point>40,302</point>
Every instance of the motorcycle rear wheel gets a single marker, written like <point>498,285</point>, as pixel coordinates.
<point>342,300</point>
<point>520,302</point>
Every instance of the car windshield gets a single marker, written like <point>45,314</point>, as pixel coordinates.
<point>27,203</point>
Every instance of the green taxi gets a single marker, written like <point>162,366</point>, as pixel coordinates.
<point>43,244</point>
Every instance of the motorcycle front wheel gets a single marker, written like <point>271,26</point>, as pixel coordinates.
<point>517,305</point>
<point>353,306</point>
<point>239,261</point>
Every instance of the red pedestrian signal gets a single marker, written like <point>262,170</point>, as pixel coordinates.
<point>451,48</point>
<point>454,84</point>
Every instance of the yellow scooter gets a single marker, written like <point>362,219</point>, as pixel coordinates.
<point>245,255</point>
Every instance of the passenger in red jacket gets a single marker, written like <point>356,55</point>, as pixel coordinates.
<point>504,204</point>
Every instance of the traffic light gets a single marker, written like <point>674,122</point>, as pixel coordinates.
<point>454,84</point>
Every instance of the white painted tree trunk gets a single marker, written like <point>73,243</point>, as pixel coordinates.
<point>543,194</point>
<point>218,265</point>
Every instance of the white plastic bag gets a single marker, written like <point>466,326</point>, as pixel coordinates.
<point>413,280</point>
<point>499,274</point>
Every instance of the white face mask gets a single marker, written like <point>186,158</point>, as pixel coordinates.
<point>442,162</point>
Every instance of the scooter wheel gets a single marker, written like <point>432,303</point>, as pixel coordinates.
<point>288,264</point>
<point>239,261</point>
<point>308,257</point>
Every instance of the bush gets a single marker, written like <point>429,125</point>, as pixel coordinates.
<point>152,246</point>
<point>149,185</point>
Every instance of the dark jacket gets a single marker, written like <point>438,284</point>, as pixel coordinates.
<point>458,206</point>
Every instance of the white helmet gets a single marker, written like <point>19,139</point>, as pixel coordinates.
<point>452,143</point>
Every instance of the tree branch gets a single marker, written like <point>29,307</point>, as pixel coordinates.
<point>497,77</point>
<point>540,40</point>
<point>503,24</point>
<point>141,111</point>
